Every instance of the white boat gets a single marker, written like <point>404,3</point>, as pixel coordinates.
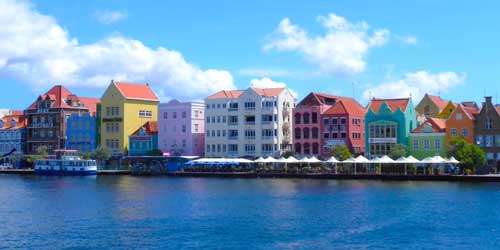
<point>65,162</point>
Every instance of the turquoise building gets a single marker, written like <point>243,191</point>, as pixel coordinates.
<point>81,132</point>
<point>388,122</point>
<point>144,139</point>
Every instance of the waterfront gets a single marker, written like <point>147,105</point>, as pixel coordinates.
<point>125,212</point>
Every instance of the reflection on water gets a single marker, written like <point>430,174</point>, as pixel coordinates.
<point>123,212</point>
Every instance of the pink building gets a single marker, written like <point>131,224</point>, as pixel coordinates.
<point>181,128</point>
<point>315,121</point>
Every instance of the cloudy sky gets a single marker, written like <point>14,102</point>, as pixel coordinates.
<point>190,49</point>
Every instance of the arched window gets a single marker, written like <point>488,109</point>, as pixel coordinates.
<point>305,118</point>
<point>298,148</point>
<point>315,133</point>
<point>307,149</point>
<point>297,133</point>
<point>297,118</point>
<point>314,118</point>
<point>315,148</point>
<point>306,133</point>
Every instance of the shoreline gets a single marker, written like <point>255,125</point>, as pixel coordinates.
<point>321,176</point>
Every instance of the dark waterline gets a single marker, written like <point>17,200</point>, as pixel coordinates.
<point>124,212</point>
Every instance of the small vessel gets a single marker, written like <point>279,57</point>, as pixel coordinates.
<point>65,162</point>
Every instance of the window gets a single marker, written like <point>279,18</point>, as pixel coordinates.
<point>334,121</point>
<point>326,120</point>
<point>268,104</point>
<point>233,134</point>
<point>453,132</point>
<point>218,119</point>
<point>314,118</point>
<point>305,117</point>
<point>437,144</point>
<point>490,141</point>
<point>233,106</point>
<point>267,148</point>
<point>298,148</point>
<point>250,148</point>
<point>315,148</point>
<point>224,119</point>
<point>208,133</point>
<point>297,118</point>
<point>267,119</point>
<point>326,135</point>
<point>249,105</point>
<point>297,132</point>
<point>480,140</point>
<point>146,114</point>
<point>174,115</point>
<point>183,128</point>
<point>426,144</point>
<point>487,123</point>
<point>498,141</point>
<point>249,134</point>
<point>208,119</point>
<point>250,119</point>
<point>233,148</point>
<point>465,132</point>
<point>183,114</point>
<point>268,133</point>
<point>196,128</point>
<point>233,120</point>
<point>343,120</point>
<point>415,144</point>
<point>305,131</point>
<point>315,133</point>
<point>458,117</point>
<point>165,115</point>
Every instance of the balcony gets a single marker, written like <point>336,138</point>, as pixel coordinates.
<point>232,137</point>
<point>232,109</point>
<point>250,123</point>
<point>232,123</point>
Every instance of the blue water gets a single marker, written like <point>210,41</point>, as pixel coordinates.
<point>110,212</point>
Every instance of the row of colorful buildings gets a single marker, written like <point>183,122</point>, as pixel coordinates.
<point>128,119</point>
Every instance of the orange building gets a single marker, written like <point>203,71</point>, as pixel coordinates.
<point>461,122</point>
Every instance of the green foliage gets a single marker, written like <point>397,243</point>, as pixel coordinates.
<point>155,152</point>
<point>469,155</point>
<point>341,152</point>
<point>85,155</point>
<point>398,151</point>
<point>288,154</point>
<point>101,154</point>
<point>42,151</point>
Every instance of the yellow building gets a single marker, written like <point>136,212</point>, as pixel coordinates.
<point>430,106</point>
<point>446,112</point>
<point>124,108</point>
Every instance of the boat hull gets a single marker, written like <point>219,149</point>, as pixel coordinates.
<point>64,172</point>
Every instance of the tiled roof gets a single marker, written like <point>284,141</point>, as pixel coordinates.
<point>57,93</point>
<point>470,104</point>
<point>438,125</point>
<point>226,94</point>
<point>150,127</point>
<point>136,91</point>
<point>346,105</point>
<point>90,103</point>
<point>469,111</point>
<point>269,91</point>
<point>438,101</point>
<point>393,104</point>
<point>21,121</point>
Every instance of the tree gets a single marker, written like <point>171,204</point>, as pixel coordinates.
<point>341,152</point>
<point>287,154</point>
<point>398,151</point>
<point>469,155</point>
<point>85,155</point>
<point>42,151</point>
<point>101,154</point>
<point>155,152</point>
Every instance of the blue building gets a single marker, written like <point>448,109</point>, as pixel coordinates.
<point>81,132</point>
<point>144,139</point>
<point>12,138</point>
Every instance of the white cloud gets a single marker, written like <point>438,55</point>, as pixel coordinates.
<point>110,16</point>
<point>36,50</point>
<point>267,82</point>
<point>259,72</point>
<point>408,39</point>
<point>341,51</point>
<point>416,84</point>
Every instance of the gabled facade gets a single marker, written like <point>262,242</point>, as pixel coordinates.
<point>344,124</point>
<point>388,122</point>
<point>124,108</point>
<point>428,139</point>
<point>487,132</point>
<point>446,112</point>
<point>430,106</point>
<point>13,133</point>
<point>253,122</point>
<point>461,122</point>
<point>307,123</point>
<point>144,139</point>
<point>47,118</point>
<point>182,128</point>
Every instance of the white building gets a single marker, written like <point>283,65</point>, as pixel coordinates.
<point>253,122</point>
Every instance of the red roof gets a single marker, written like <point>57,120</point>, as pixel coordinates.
<point>150,127</point>
<point>136,91</point>
<point>57,93</point>
<point>393,104</point>
<point>346,105</point>
<point>268,91</point>
<point>226,94</point>
<point>90,103</point>
<point>438,125</point>
<point>438,101</point>
<point>20,119</point>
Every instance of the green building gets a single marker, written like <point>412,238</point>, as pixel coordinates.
<point>428,139</point>
<point>388,123</point>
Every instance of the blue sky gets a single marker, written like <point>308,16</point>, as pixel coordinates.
<point>190,49</point>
